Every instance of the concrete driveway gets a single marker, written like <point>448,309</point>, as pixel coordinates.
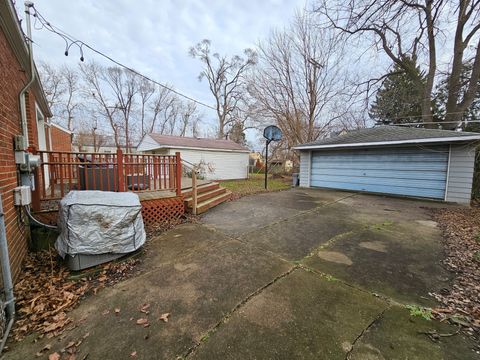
<point>300,274</point>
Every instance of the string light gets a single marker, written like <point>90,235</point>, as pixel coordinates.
<point>71,41</point>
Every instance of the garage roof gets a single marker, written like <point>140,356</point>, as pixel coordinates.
<point>158,141</point>
<point>390,135</point>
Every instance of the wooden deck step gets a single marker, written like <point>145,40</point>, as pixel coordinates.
<point>207,204</point>
<point>202,196</point>
<point>200,189</point>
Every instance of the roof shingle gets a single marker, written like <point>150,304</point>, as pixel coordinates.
<point>183,141</point>
<point>382,134</point>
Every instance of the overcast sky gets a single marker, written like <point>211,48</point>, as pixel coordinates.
<point>154,36</point>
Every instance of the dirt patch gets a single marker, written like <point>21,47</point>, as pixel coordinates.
<point>334,256</point>
<point>374,245</point>
<point>461,229</point>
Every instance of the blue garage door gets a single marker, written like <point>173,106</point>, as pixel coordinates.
<point>411,171</point>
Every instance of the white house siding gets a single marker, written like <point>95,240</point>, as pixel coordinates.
<point>460,173</point>
<point>225,164</point>
<point>305,157</point>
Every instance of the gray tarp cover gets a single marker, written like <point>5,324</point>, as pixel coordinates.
<point>99,222</point>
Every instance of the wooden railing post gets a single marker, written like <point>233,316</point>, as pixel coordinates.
<point>178,171</point>
<point>194,191</point>
<point>120,176</point>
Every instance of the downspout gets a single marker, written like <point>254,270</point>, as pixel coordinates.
<point>21,96</point>
<point>7,277</point>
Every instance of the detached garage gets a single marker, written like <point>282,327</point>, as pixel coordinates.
<point>222,159</point>
<point>435,164</point>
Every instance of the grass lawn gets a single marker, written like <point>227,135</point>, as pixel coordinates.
<point>255,185</point>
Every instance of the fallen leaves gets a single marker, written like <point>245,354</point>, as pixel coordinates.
<point>142,321</point>
<point>164,317</point>
<point>54,356</point>
<point>46,291</point>
<point>461,302</point>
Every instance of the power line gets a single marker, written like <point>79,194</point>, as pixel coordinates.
<point>70,41</point>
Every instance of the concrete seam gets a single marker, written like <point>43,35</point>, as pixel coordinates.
<point>242,303</point>
<point>377,318</point>
<point>311,211</point>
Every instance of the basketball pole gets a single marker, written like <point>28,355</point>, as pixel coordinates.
<point>266,163</point>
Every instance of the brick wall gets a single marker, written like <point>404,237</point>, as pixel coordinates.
<point>61,140</point>
<point>12,79</point>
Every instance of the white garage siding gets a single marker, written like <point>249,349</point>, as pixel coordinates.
<point>305,168</point>
<point>226,164</point>
<point>462,161</point>
<point>410,171</point>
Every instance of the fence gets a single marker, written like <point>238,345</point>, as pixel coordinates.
<point>61,172</point>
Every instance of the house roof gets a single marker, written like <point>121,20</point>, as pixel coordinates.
<point>169,141</point>
<point>390,135</point>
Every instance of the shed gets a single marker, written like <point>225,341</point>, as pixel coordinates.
<point>416,162</point>
<point>224,159</point>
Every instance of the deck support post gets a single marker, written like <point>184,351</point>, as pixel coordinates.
<point>178,172</point>
<point>121,178</point>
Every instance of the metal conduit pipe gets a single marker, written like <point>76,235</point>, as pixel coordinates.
<point>21,96</point>
<point>7,277</point>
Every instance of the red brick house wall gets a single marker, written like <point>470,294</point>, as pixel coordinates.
<point>61,140</point>
<point>12,79</point>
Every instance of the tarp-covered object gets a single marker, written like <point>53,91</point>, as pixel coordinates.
<point>99,222</point>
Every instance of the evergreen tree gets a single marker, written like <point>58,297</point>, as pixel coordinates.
<point>399,100</point>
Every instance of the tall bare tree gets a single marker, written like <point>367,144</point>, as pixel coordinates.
<point>226,80</point>
<point>94,77</point>
<point>72,101</point>
<point>409,29</point>
<point>300,81</point>
<point>146,90</point>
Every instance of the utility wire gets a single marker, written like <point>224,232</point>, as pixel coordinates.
<point>70,41</point>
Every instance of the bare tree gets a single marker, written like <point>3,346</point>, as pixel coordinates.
<point>300,81</point>
<point>94,76</point>
<point>226,79</point>
<point>53,83</point>
<point>189,116</point>
<point>406,29</point>
<point>125,86</point>
<point>146,91</point>
<point>72,101</point>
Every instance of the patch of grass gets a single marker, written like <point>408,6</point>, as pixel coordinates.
<point>419,311</point>
<point>255,184</point>
<point>476,256</point>
<point>379,226</point>
<point>329,277</point>
<point>477,238</point>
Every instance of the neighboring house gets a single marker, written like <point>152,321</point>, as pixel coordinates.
<point>97,143</point>
<point>280,165</point>
<point>15,73</point>
<point>60,139</point>
<point>221,159</point>
<point>436,164</point>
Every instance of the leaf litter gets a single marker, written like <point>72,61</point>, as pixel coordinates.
<point>46,291</point>
<point>460,304</point>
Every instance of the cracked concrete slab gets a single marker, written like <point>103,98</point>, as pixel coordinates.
<point>196,284</point>
<point>232,294</point>
<point>257,211</point>
<point>397,335</point>
<point>301,316</point>
<point>395,260</point>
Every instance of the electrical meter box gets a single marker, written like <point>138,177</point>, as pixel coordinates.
<point>22,195</point>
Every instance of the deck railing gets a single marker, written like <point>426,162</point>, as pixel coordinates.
<point>60,172</point>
